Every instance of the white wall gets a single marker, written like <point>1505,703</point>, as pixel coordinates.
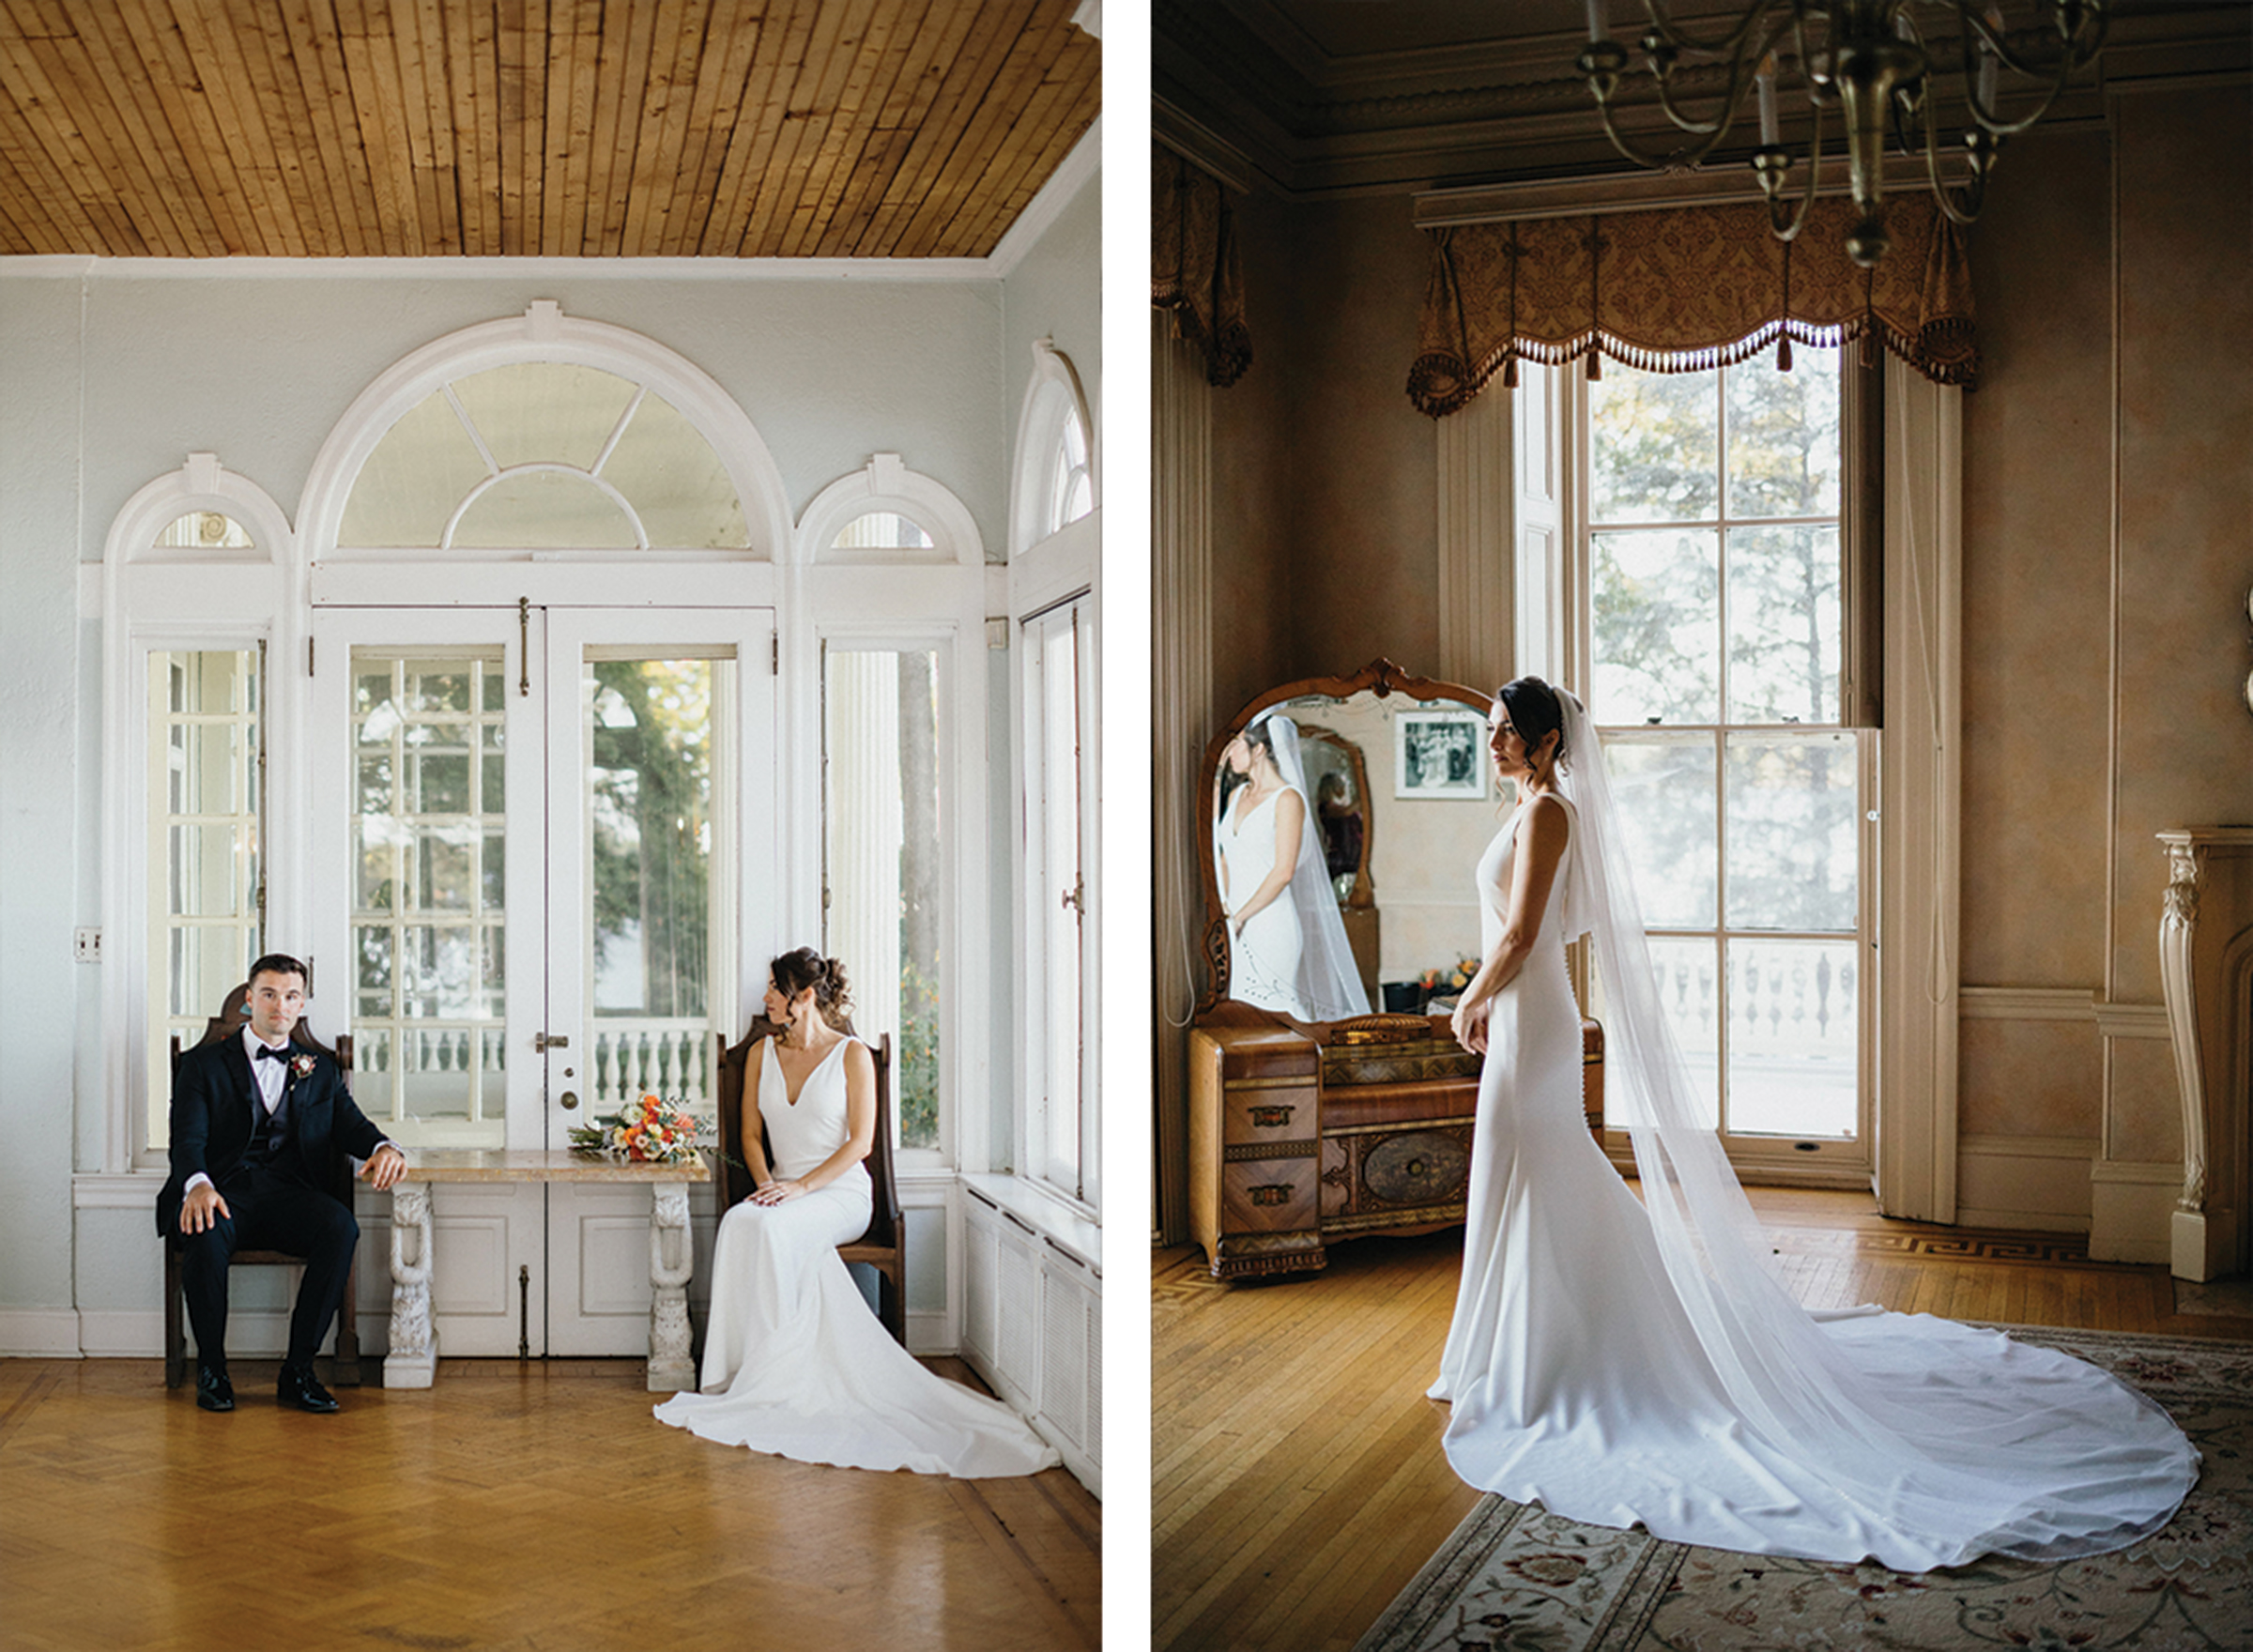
<point>112,373</point>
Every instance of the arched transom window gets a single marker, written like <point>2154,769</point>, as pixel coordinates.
<point>544,456</point>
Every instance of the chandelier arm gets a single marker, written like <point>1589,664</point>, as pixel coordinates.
<point>1814,174</point>
<point>1741,82</point>
<point>1942,191</point>
<point>1665,28</point>
<point>1986,118</point>
<point>2076,54</point>
<point>1654,160</point>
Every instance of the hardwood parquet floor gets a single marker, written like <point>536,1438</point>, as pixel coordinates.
<point>1298,1481</point>
<point>511,1507</point>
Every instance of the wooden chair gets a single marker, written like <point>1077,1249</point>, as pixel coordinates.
<point>885,1246</point>
<point>228,1024</point>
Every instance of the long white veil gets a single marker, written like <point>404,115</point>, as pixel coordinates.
<point>1329,984</point>
<point>2005,1459</point>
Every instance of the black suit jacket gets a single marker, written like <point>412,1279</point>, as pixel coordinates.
<point>212,1094</point>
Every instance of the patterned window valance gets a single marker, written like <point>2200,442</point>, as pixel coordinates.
<point>1685,289</point>
<point>1194,266</point>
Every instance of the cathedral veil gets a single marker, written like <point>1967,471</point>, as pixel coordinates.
<point>1950,1441</point>
<point>1329,984</point>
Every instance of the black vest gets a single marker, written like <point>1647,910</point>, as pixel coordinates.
<point>273,1136</point>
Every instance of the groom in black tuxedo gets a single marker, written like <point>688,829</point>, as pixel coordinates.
<point>254,1119</point>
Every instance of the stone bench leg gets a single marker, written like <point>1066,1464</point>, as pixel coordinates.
<point>673,1255</point>
<point>413,1358</point>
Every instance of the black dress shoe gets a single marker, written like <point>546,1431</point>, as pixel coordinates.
<point>301,1388</point>
<point>213,1392</point>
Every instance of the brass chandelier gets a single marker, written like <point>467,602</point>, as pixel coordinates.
<point>1870,58</point>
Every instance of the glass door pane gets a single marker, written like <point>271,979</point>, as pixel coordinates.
<point>430,894</point>
<point>651,731</point>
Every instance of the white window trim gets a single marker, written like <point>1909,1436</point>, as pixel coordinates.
<point>1485,523</point>
<point>1054,396</point>
<point>544,333</point>
<point>1056,570</point>
<point>886,484</point>
<point>154,600</point>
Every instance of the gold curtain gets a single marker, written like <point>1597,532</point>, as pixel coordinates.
<point>1194,266</point>
<point>1685,289</point>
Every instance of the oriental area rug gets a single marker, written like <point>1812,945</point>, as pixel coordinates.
<point>1517,1578</point>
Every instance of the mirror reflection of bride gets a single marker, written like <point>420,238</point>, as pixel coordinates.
<point>1288,950</point>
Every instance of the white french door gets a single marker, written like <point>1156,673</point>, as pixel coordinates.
<point>547,836</point>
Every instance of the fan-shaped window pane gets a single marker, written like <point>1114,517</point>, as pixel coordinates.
<point>1071,490</point>
<point>531,412</point>
<point>882,530</point>
<point>206,530</point>
<point>669,474</point>
<point>413,479</point>
<point>545,510</point>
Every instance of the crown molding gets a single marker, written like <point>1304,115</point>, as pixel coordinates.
<point>1241,87</point>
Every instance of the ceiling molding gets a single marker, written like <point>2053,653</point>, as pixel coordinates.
<point>1243,78</point>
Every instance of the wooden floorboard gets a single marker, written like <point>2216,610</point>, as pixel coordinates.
<point>1298,1481</point>
<point>510,1506</point>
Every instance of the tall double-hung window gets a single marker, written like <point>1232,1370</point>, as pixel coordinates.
<point>1713,636</point>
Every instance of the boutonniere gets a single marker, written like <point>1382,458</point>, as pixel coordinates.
<point>300,1067</point>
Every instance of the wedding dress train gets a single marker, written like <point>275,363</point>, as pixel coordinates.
<point>1622,1360</point>
<point>794,1361</point>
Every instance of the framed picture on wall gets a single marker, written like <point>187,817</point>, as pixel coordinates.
<point>1439,754</point>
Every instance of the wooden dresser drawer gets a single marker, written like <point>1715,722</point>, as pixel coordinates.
<point>1270,1195</point>
<point>1268,1110</point>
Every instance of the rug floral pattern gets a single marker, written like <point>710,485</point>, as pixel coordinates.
<point>1517,1578</point>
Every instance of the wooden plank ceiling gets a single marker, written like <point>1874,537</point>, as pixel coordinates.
<point>731,129</point>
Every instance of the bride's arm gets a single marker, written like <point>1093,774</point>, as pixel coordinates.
<point>860,1133</point>
<point>1542,831</point>
<point>1290,820</point>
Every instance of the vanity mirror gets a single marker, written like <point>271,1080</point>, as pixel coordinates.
<point>1396,848</point>
<point>1307,1128</point>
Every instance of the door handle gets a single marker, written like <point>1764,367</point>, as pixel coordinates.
<point>544,1042</point>
<point>570,1100</point>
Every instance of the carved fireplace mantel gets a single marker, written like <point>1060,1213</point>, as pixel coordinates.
<point>2206,972</point>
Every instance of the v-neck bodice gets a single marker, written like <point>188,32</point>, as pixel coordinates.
<point>804,1131</point>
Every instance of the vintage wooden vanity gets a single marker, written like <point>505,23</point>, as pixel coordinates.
<point>1303,1134</point>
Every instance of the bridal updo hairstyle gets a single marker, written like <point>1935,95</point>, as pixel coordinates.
<point>1534,712</point>
<point>1260,737</point>
<point>794,971</point>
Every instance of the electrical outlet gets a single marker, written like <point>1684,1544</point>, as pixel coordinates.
<point>86,945</point>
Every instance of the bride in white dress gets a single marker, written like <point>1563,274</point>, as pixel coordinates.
<point>794,1361</point>
<point>1621,1360</point>
<point>1287,944</point>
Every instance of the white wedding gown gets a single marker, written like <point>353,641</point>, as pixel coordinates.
<point>794,1361</point>
<point>1263,960</point>
<point>1579,1381</point>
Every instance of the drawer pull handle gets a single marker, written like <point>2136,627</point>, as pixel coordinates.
<point>1272,1193</point>
<point>1270,1118</point>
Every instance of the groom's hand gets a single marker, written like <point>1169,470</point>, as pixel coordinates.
<point>385,1169</point>
<point>201,1208</point>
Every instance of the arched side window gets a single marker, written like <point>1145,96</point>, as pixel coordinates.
<point>191,617</point>
<point>1055,473</point>
<point>887,513</point>
<point>543,435</point>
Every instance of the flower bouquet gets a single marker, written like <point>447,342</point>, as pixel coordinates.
<point>656,1132</point>
<point>1446,981</point>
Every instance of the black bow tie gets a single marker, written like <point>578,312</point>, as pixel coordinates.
<point>269,1054</point>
